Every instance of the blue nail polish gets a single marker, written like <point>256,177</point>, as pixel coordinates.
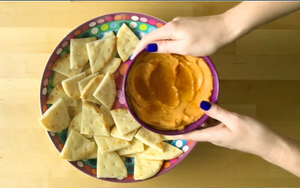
<point>151,47</point>
<point>204,105</point>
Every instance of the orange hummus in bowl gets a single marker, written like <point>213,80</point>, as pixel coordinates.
<point>163,91</point>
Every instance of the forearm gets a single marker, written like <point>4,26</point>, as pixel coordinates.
<point>248,16</point>
<point>286,154</point>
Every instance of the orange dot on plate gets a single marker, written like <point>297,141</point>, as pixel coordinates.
<point>45,108</point>
<point>94,171</point>
<point>60,146</point>
<point>159,25</point>
<point>118,17</point>
<point>87,168</point>
<point>123,68</point>
<point>167,164</point>
<point>77,32</point>
<point>50,66</point>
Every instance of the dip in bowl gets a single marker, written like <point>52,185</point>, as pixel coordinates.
<point>163,92</point>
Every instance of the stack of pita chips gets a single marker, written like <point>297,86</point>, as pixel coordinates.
<point>82,99</point>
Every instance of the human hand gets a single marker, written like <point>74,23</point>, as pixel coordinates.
<point>197,36</point>
<point>235,132</point>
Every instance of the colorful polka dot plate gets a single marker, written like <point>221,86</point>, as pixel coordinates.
<point>140,24</point>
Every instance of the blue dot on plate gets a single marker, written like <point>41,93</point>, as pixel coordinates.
<point>128,160</point>
<point>113,25</point>
<point>151,29</point>
<point>85,35</point>
<point>93,162</point>
<point>130,169</point>
<point>121,23</point>
<point>100,36</point>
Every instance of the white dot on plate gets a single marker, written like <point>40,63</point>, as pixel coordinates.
<point>178,143</point>
<point>134,18</point>
<point>94,30</point>
<point>92,24</point>
<point>44,91</point>
<point>79,163</point>
<point>59,51</point>
<point>52,133</point>
<point>133,25</point>
<point>142,35</point>
<point>185,148</point>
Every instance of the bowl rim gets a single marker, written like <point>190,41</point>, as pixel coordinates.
<point>193,126</point>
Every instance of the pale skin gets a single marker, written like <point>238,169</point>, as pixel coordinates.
<point>202,36</point>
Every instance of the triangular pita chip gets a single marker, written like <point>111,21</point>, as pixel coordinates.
<point>70,85</point>
<point>107,115</point>
<point>56,118</point>
<point>82,83</point>
<point>75,124</point>
<point>57,78</point>
<point>73,110</point>
<point>87,93</point>
<point>62,66</point>
<point>145,168</point>
<point>112,66</point>
<point>88,71</point>
<point>170,152</point>
<point>136,147</point>
<point>126,42</point>
<point>59,93</point>
<point>115,133</point>
<point>110,165</point>
<point>100,52</point>
<point>106,91</point>
<point>93,121</point>
<point>151,139</point>
<point>124,121</point>
<point>77,147</point>
<point>109,144</point>
<point>93,155</point>
<point>78,52</point>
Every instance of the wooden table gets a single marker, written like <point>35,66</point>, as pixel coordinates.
<point>260,77</point>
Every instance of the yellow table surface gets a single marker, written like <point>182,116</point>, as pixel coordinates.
<point>259,76</point>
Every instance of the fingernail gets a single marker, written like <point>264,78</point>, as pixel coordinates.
<point>204,105</point>
<point>151,47</point>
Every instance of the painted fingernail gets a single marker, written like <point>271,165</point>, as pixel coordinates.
<point>151,47</point>
<point>204,105</point>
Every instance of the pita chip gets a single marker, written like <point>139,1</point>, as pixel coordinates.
<point>59,93</point>
<point>110,165</point>
<point>106,92</point>
<point>145,168</point>
<point>56,118</point>
<point>77,147</point>
<point>70,85</point>
<point>112,66</point>
<point>78,52</point>
<point>151,139</point>
<point>106,112</point>
<point>82,83</point>
<point>87,71</point>
<point>93,155</point>
<point>115,133</point>
<point>110,144</point>
<point>87,92</point>
<point>165,137</point>
<point>57,78</point>
<point>100,52</point>
<point>73,110</point>
<point>126,42</point>
<point>93,121</point>
<point>170,152</point>
<point>62,66</point>
<point>124,121</point>
<point>136,147</point>
<point>108,34</point>
<point>75,125</point>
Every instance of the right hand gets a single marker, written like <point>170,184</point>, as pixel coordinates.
<point>197,36</point>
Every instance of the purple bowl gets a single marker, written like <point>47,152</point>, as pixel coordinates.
<point>190,127</point>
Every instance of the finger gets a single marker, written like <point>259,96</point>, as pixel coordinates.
<point>216,112</point>
<point>204,135</point>
<point>179,18</point>
<point>158,34</point>
<point>168,46</point>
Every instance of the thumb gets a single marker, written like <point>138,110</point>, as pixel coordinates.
<point>216,112</point>
<point>166,46</point>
